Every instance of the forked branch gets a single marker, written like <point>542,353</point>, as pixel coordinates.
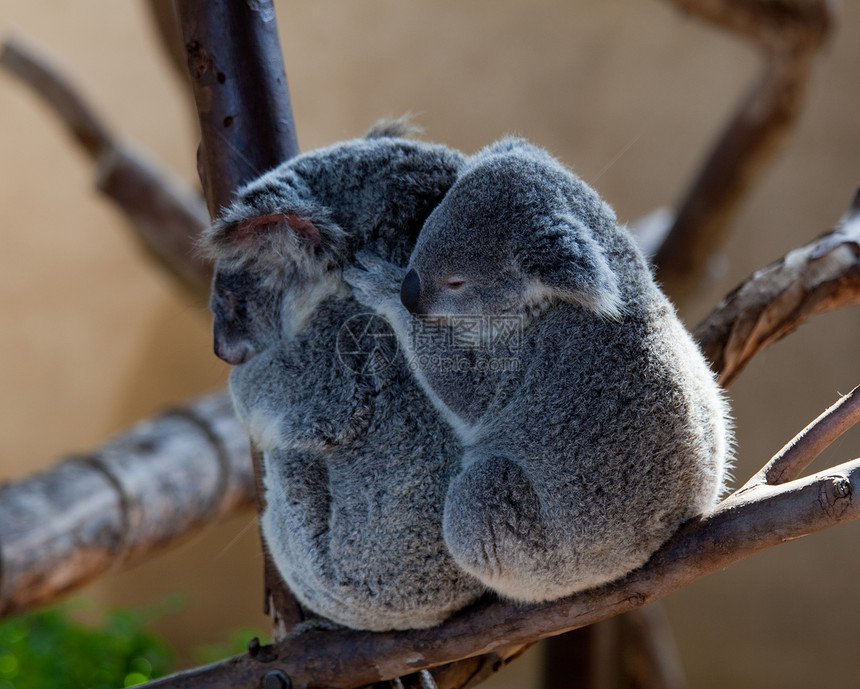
<point>760,518</point>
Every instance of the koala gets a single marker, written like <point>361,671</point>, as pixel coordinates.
<point>591,424</point>
<point>356,462</point>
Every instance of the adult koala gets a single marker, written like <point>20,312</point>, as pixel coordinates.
<point>357,463</point>
<point>591,423</point>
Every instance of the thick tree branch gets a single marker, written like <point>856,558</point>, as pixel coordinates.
<point>789,35</point>
<point>246,127</point>
<point>141,492</point>
<point>240,88</point>
<point>166,214</point>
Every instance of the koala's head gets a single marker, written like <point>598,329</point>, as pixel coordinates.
<point>276,256</point>
<point>515,232</point>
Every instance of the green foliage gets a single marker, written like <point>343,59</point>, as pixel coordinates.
<point>51,649</point>
<point>54,648</point>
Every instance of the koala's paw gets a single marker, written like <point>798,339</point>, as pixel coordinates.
<point>375,282</point>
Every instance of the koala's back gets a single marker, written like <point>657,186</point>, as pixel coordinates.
<point>617,429</point>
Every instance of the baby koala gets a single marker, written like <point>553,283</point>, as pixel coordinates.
<point>357,461</point>
<point>591,424</point>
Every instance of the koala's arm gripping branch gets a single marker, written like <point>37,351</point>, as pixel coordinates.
<point>789,36</point>
<point>166,214</point>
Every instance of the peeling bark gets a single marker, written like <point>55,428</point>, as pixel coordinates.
<point>149,488</point>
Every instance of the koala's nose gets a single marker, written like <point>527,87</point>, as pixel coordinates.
<point>410,290</point>
<point>233,351</point>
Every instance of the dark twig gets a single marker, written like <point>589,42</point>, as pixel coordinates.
<point>166,214</point>
<point>240,88</point>
<point>789,35</point>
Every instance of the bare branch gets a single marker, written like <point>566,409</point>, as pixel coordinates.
<point>775,300</point>
<point>761,518</point>
<point>799,453</point>
<point>165,213</point>
<point>167,216</point>
<point>789,35</point>
<point>41,74</point>
<point>139,493</point>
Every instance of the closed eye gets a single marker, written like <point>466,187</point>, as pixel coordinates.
<point>455,283</point>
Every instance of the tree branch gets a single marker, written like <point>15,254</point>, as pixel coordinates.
<point>789,35</point>
<point>799,453</point>
<point>740,526</point>
<point>141,492</point>
<point>246,127</point>
<point>240,88</point>
<point>775,300</point>
<point>166,215</point>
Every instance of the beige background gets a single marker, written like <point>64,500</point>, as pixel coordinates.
<point>93,337</point>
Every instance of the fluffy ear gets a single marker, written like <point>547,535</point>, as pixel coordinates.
<point>568,263</point>
<point>270,237</point>
<point>250,234</point>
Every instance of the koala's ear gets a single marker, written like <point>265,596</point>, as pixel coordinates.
<point>281,236</point>
<point>252,232</point>
<point>568,263</point>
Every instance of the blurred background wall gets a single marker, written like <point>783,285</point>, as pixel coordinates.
<point>629,93</point>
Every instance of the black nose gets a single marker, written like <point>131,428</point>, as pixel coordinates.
<point>410,290</point>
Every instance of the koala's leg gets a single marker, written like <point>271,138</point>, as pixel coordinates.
<point>296,526</point>
<point>536,545</point>
<point>493,528</point>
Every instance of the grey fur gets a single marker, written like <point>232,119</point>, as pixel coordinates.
<point>591,423</point>
<point>357,465</point>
